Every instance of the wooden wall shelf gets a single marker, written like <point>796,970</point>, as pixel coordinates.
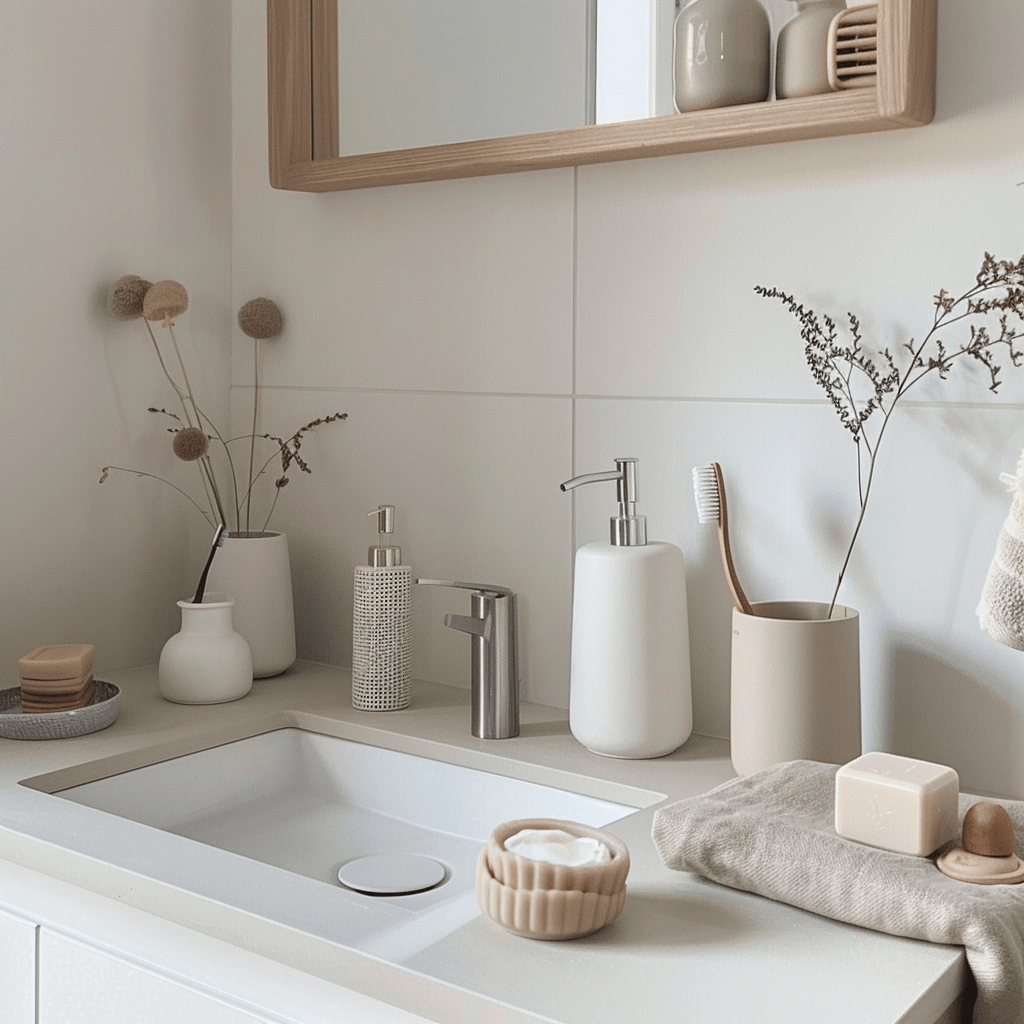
<point>303,145</point>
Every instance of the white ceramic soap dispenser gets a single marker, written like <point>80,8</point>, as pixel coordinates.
<point>381,626</point>
<point>629,686</point>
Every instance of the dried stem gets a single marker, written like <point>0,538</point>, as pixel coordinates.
<point>169,324</point>
<point>288,450</point>
<point>153,476</point>
<point>167,373</point>
<point>231,466</point>
<point>995,300</point>
<point>252,438</point>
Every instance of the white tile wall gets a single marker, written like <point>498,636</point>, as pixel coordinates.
<point>115,159</point>
<point>474,481</point>
<point>480,286</point>
<point>492,336</point>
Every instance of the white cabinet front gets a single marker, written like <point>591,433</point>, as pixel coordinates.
<point>81,984</point>
<point>17,970</point>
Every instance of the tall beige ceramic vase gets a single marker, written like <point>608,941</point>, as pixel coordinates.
<point>795,685</point>
<point>255,570</point>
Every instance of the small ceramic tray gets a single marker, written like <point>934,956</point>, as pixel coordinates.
<point>15,724</point>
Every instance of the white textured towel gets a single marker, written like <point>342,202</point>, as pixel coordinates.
<point>1001,611</point>
<point>773,833</point>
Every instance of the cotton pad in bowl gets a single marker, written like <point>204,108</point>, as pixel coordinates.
<point>571,852</point>
<point>556,846</point>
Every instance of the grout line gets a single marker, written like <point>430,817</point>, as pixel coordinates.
<point>574,412</point>
<point>301,389</point>
<point>905,403</point>
<point>38,972</point>
<point>576,397</point>
<point>575,293</point>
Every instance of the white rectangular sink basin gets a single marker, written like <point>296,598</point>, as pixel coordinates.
<point>310,803</point>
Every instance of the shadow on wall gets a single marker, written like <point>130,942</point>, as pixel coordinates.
<point>940,712</point>
<point>709,615</point>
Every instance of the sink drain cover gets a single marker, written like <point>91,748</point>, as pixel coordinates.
<point>392,874</point>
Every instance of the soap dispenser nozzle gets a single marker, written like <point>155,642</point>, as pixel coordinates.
<point>627,529</point>
<point>384,554</point>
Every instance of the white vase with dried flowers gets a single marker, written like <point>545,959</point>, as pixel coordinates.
<point>257,567</point>
<point>253,568</point>
<point>795,675</point>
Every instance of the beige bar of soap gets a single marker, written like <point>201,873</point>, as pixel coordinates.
<point>57,661</point>
<point>897,803</point>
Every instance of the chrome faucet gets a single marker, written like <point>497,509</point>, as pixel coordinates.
<point>494,649</point>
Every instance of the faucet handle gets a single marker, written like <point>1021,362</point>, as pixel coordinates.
<point>480,588</point>
<point>471,625</point>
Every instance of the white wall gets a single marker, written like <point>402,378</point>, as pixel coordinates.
<point>490,337</point>
<point>115,159</point>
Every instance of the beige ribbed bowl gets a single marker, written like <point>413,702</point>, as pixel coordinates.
<point>517,872</point>
<point>550,901</point>
<point>544,913</point>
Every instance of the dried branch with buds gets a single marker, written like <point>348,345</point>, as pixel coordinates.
<point>864,387</point>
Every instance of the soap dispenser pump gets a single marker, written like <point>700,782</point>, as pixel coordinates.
<point>381,623</point>
<point>629,683</point>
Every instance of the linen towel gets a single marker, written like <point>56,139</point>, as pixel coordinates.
<point>1001,610</point>
<point>773,833</point>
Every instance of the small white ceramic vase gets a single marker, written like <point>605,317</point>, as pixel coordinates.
<point>208,662</point>
<point>255,571</point>
<point>795,685</point>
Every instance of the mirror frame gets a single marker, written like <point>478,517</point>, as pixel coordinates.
<point>302,82</point>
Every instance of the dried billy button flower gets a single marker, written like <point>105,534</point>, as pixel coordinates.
<point>164,301</point>
<point>129,291</point>
<point>260,319</point>
<point>190,444</point>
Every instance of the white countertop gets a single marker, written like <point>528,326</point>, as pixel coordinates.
<point>683,947</point>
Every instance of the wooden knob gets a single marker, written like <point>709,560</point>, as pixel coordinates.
<point>988,830</point>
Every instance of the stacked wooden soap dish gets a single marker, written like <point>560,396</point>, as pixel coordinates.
<point>57,677</point>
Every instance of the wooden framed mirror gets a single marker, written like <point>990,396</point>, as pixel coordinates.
<point>302,83</point>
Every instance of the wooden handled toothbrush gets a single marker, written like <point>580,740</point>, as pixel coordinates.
<point>709,492</point>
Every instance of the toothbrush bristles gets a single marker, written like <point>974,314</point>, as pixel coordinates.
<point>705,492</point>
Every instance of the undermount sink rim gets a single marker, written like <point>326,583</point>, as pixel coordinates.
<point>474,757</point>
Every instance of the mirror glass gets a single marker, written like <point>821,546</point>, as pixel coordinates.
<point>605,44</point>
<point>414,73</point>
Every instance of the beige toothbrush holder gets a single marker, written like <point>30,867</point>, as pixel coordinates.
<point>795,684</point>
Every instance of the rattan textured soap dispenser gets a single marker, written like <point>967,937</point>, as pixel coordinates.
<point>629,685</point>
<point>381,627</point>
